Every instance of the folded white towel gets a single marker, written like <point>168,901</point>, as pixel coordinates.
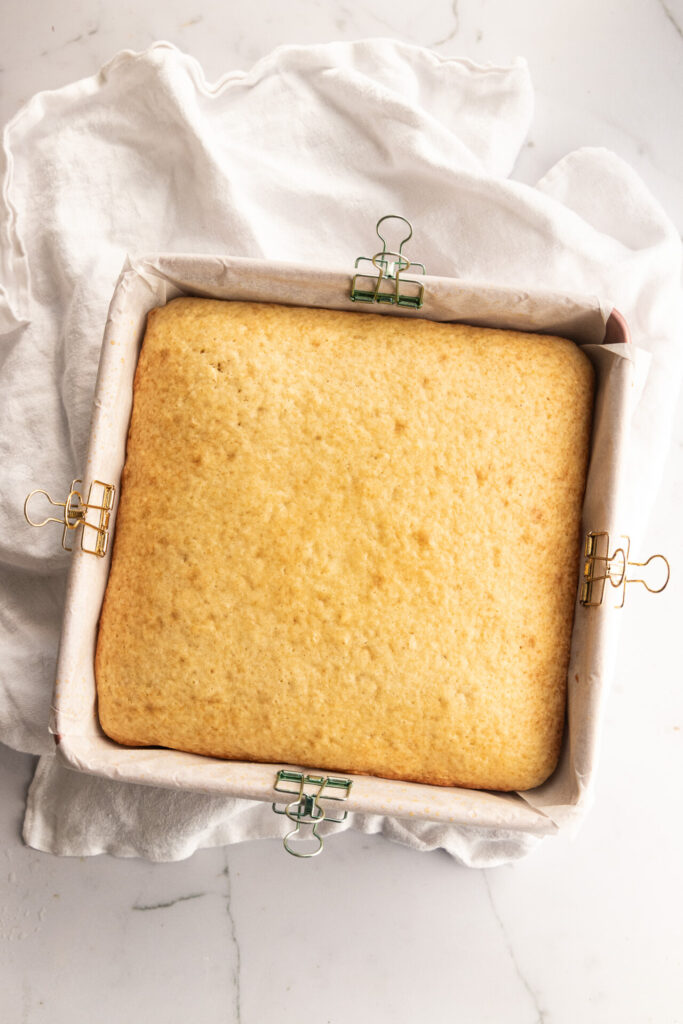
<point>293,160</point>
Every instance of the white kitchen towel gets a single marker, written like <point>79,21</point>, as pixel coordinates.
<point>293,160</point>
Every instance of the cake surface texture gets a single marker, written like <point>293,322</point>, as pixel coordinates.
<point>347,541</point>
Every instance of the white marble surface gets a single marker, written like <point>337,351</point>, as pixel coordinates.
<point>589,930</point>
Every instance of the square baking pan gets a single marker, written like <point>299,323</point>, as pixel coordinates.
<point>150,281</point>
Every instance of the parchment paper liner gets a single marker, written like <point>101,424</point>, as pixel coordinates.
<point>151,281</point>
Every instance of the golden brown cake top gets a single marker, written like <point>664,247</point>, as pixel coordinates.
<point>347,541</point>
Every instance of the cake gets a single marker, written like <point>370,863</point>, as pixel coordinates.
<point>347,541</point>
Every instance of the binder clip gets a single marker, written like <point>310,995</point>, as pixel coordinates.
<point>76,513</point>
<point>306,809</point>
<point>600,567</point>
<point>388,285</point>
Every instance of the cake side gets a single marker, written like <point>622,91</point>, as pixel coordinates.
<point>347,541</point>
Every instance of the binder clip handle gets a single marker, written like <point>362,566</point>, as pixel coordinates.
<point>394,216</point>
<point>649,561</point>
<point>305,810</point>
<point>73,512</point>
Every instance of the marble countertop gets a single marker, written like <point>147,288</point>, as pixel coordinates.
<point>589,929</point>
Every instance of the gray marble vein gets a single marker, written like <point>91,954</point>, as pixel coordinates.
<point>171,903</point>
<point>71,42</point>
<point>237,969</point>
<point>455,13</point>
<point>671,17</point>
<point>541,1016</point>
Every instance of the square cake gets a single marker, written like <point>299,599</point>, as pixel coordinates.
<point>347,541</point>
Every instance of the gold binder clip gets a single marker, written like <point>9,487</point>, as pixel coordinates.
<point>306,809</point>
<point>600,566</point>
<point>76,513</point>
<point>388,285</point>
